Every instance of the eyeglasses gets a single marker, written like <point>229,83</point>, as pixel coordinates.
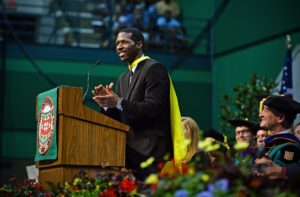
<point>242,132</point>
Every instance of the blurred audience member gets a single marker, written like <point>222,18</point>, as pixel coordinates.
<point>222,154</point>
<point>192,133</point>
<point>120,19</point>
<point>297,130</point>
<point>171,32</point>
<point>260,137</point>
<point>168,5</point>
<point>102,22</point>
<point>245,132</point>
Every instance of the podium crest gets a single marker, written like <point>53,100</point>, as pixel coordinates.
<point>46,125</point>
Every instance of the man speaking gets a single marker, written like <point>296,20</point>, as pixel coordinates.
<point>142,101</point>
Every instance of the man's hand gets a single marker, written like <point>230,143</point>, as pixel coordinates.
<point>101,90</point>
<point>266,167</point>
<point>105,96</point>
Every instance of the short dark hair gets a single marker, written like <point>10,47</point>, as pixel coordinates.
<point>136,35</point>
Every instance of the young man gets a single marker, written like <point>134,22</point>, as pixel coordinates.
<point>245,131</point>
<point>142,101</point>
<point>261,135</point>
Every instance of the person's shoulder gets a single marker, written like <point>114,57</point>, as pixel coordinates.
<point>286,152</point>
<point>153,64</point>
<point>287,146</point>
<point>281,138</point>
<point>154,68</point>
<point>152,61</point>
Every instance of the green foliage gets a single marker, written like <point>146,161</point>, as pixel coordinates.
<point>244,104</point>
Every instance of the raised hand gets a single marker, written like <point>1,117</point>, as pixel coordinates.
<point>105,96</point>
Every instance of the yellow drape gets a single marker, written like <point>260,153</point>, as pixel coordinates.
<point>178,139</point>
<point>137,61</point>
<point>177,130</point>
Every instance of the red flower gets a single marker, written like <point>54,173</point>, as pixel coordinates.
<point>160,165</point>
<point>153,186</point>
<point>38,187</point>
<point>185,168</point>
<point>127,185</point>
<point>110,192</point>
<point>256,182</point>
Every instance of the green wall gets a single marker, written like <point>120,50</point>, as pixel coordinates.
<point>245,21</point>
<point>257,23</point>
<point>195,14</point>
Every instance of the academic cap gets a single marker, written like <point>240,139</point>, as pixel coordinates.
<point>214,134</point>
<point>283,104</point>
<point>239,122</point>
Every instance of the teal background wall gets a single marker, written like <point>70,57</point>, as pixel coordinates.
<point>250,38</point>
<point>195,14</point>
<point>246,21</point>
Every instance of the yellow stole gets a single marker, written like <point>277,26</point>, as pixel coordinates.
<point>137,61</point>
<point>179,145</point>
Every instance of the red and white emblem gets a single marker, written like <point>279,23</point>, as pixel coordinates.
<point>45,127</point>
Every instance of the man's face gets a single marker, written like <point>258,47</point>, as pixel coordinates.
<point>186,133</point>
<point>126,48</point>
<point>268,119</point>
<point>297,131</point>
<point>243,134</point>
<point>260,136</point>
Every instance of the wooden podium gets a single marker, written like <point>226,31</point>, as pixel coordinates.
<point>86,140</point>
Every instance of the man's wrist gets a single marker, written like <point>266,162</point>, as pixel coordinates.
<point>119,104</point>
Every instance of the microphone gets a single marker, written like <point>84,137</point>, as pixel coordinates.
<point>88,79</point>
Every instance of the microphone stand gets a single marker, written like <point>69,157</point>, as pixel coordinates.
<point>88,80</point>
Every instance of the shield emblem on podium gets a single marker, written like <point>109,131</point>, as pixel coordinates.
<point>46,123</point>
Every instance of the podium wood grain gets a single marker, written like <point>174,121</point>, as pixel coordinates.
<point>87,140</point>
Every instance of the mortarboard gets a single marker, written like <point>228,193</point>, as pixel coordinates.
<point>283,104</point>
<point>239,122</point>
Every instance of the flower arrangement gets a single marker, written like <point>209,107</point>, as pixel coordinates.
<point>28,187</point>
<point>106,184</point>
<point>223,178</point>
